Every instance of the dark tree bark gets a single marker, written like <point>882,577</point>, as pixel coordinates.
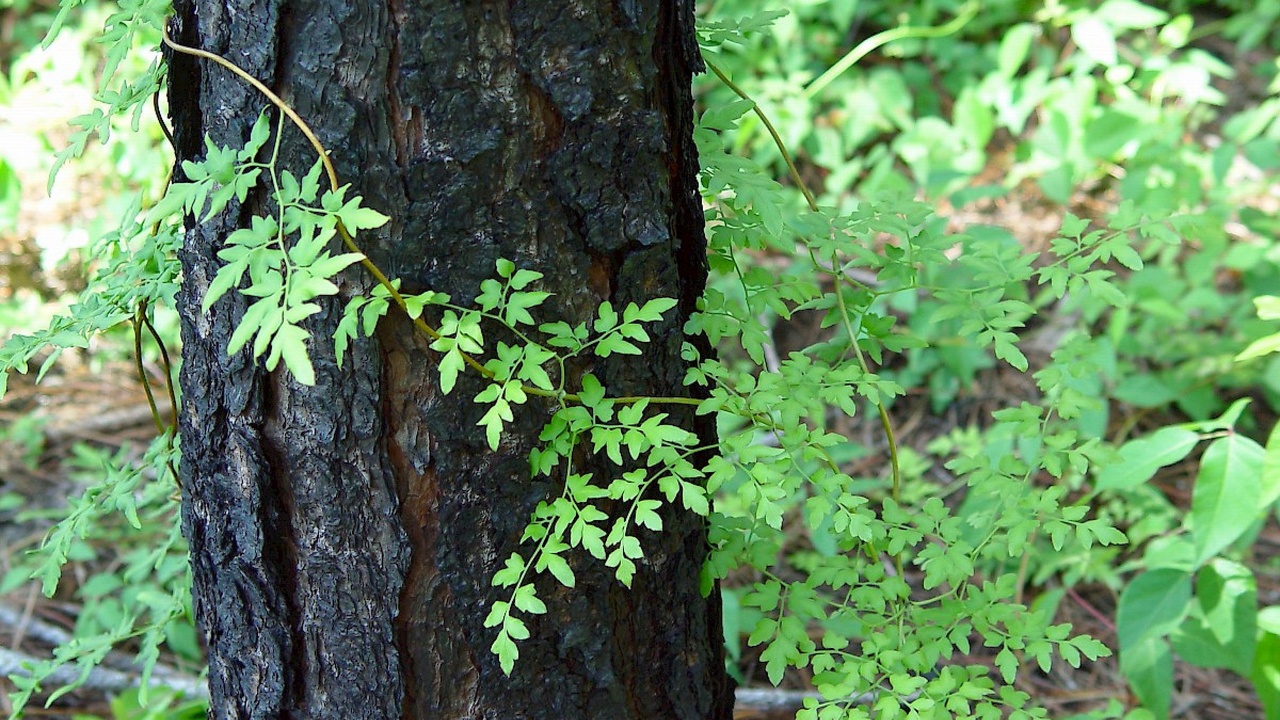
<point>343,537</point>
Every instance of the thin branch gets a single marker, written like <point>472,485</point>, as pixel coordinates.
<point>104,679</point>
<point>864,48</point>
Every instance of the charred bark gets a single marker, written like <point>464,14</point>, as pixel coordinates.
<point>343,536</point>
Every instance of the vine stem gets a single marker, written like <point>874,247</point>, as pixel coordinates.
<point>140,321</point>
<point>266,91</point>
<point>332,174</point>
<point>350,242</point>
<point>768,125</point>
<point>866,47</point>
<point>837,274</point>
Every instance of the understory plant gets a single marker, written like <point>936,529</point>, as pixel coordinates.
<point>830,304</point>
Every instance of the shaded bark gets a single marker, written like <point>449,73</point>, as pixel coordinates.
<point>343,537</point>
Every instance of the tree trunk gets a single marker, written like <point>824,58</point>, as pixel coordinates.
<point>343,536</point>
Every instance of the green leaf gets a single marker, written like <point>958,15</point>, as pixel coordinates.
<point>646,514</point>
<point>714,33</point>
<point>268,285</point>
<point>506,651</point>
<point>1265,673</point>
<point>258,136</point>
<point>1072,226</point>
<point>651,312</point>
<point>624,569</point>
<point>1146,391</point>
<point>356,218</point>
<point>1091,647</point>
<point>694,498</point>
<point>515,627</point>
<point>1227,591</point>
<point>1104,137</point>
<point>250,323</point>
<point>470,337</point>
<point>1141,458</point>
<point>267,328</point>
<point>491,392</point>
<point>414,304</point>
<point>1127,256</point>
<point>630,546</point>
<point>1131,15</point>
<point>372,313</point>
<point>560,334</point>
<point>303,287</point>
<point>511,574</point>
<point>606,318</point>
<point>310,187</point>
<point>291,341</point>
<point>328,267</point>
<point>493,421</point>
<point>450,365</point>
<point>297,313</point>
<point>516,312</point>
<point>245,182</point>
<point>1151,606</point>
<point>1258,348</point>
<point>633,414</point>
<point>557,566</point>
<point>1225,501</point>
<point>589,536</point>
<point>1095,39</point>
<point>614,344</point>
<point>724,117</point>
<point>524,278</point>
<point>592,393</point>
<point>308,245</point>
<point>497,614</point>
<point>784,650</point>
<point>1148,666</point>
<point>1222,631</point>
<point>1269,480</point>
<point>227,277</point>
<point>533,373</point>
<point>1268,307</point>
<point>219,199</point>
<point>490,297</point>
<point>526,599</point>
<point>1007,662</point>
<point>1007,351</point>
<point>1014,47</point>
